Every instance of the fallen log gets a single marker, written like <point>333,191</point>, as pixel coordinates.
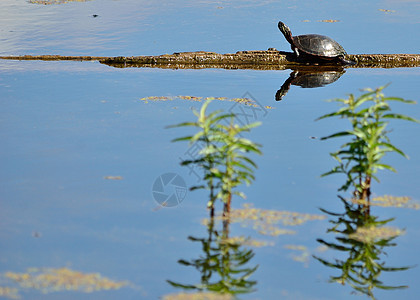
<point>270,59</point>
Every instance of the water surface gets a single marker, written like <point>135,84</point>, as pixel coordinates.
<point>66,126</point>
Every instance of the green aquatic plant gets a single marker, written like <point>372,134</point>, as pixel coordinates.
<point>361,236</point>
<point>224,155</point>
<point>361,157</point>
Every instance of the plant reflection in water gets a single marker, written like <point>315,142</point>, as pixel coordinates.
<point>362,238</point>
<point>223,263</point>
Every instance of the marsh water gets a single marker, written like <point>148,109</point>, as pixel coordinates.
<point>82,144</point>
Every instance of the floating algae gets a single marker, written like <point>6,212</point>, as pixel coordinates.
<point>49,280</point>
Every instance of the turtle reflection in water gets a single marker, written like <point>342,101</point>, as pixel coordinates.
<point>315,47</point>
<point>309,78</point>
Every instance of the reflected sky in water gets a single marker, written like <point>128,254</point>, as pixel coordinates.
<point>67,125</point>
<point>147,28</point>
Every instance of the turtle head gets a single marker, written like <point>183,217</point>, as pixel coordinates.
<point>286,31</point>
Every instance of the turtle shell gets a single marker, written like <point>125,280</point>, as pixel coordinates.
<point>318,45</point>
<point>316,79</point>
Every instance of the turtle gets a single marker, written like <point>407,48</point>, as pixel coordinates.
<point>315,47</point>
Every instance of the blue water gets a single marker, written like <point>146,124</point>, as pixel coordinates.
<point>64,126</point>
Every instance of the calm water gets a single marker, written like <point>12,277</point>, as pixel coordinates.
<point>65,126</point>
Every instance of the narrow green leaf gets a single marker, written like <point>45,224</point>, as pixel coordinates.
<point>393,148</point>
<point>198,187</point>
<point>401,117</point>
<point>185,138</point>
<point>250,126</point>
<point>384,166</point>
<point>182,125</point>
<point>399,100</point>
<point>338,134</point>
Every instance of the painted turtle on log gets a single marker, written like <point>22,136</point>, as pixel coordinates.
<point>315,47</point>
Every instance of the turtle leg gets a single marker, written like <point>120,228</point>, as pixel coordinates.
<point>286,86</point>
<point>296,51</point>
<point>345,61</point>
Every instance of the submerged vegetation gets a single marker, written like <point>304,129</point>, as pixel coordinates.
<point>48,280</point>
<point>265,221</point>
<point>8,292</point>
<point>361,236</point>
<point>244,100</point>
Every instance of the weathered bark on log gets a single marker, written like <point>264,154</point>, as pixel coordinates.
<point>258,60</point>
<point>385,60</point>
